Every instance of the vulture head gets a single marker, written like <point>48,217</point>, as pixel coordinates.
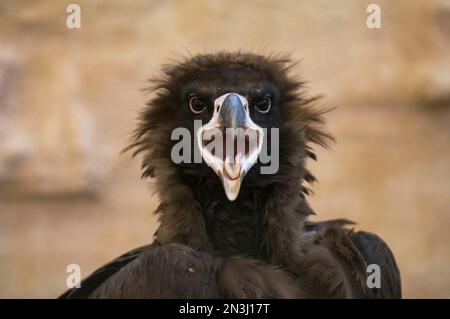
<point>243,112</point>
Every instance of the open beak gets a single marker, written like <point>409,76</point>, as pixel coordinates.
<point>230,142</point>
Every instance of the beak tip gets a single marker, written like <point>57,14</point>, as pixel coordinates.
<point>232,188</point>
<point>232,197</point>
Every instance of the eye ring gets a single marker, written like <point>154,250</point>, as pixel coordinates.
<point>196,104</point>
<point>264,104</point>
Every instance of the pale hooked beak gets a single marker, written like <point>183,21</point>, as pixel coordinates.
<point>230,142</point>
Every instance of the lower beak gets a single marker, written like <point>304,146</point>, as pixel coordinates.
<point>232,186</point>
<point>230,143</point>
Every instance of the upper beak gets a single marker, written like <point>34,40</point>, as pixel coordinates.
<point>230,142</point>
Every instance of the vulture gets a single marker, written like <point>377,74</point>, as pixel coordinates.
<point>227,227</point>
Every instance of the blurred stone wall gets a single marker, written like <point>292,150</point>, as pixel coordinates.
<point>69,97</point>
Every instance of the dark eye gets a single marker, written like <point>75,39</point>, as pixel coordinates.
<point>196,104</point>
<point>264,104</point>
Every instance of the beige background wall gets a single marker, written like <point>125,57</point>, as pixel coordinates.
<point>68,100</point>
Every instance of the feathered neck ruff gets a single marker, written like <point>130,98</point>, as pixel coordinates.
<point>283,208</point>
